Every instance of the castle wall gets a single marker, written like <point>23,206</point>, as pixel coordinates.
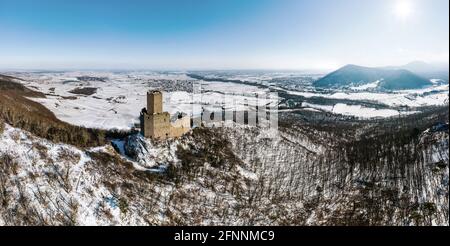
<point>176,132</point>
<point>180,127</point>
<point>157,126</point>
<point>183,122</point>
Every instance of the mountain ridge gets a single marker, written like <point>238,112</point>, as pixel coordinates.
<point>391,79</point>
<point>428,70</point>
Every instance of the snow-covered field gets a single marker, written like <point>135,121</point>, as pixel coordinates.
<point>366,86</point>
<point>119,97</point>
<point>409,101</point>
<point>356,110</point>
<point>432,96</point>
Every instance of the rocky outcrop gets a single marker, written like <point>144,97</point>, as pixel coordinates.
<point>147,153</point>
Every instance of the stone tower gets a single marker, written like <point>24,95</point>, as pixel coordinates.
<point>154,122</point>
<point>154,102</point>
<point>157,124</point>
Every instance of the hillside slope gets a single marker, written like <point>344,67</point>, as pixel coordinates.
<point>18,110</point>
<point>231,176</point>
<point>429,71</point>
<point>391,79</point>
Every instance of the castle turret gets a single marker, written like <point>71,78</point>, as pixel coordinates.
<point>154,102</point>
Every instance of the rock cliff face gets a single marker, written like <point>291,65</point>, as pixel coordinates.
<point>147,154</point>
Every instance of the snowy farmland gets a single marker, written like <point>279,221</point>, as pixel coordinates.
<point>113,100</point>
<point>433,96</point>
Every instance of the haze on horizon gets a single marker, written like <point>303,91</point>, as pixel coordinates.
<point>219,34</point>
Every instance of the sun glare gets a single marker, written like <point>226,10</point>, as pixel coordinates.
<point>403,9</point>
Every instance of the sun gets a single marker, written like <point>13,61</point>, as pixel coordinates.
<point>403,9</point>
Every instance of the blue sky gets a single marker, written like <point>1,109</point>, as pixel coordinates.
<point>221,34</point>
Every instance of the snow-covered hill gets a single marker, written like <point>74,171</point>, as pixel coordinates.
<point>231,176</point>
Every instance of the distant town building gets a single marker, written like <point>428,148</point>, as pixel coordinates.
<point>157,124</point>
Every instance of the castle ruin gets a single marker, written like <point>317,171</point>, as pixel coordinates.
<point>157,124</point>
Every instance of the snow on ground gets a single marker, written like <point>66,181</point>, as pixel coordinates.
<point>247,174</point>
<point>119,97</point>
<point>41,159</point>
<point>328,108</point>
<point>58,184</point>
<point>437,81</point>
<point>431,96</point>
<point>354,110</point>
<point>366,86</point>
<point>231,87</point>
<point>62,184</point>
<point>214,97</point>
<point>363,112</point>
